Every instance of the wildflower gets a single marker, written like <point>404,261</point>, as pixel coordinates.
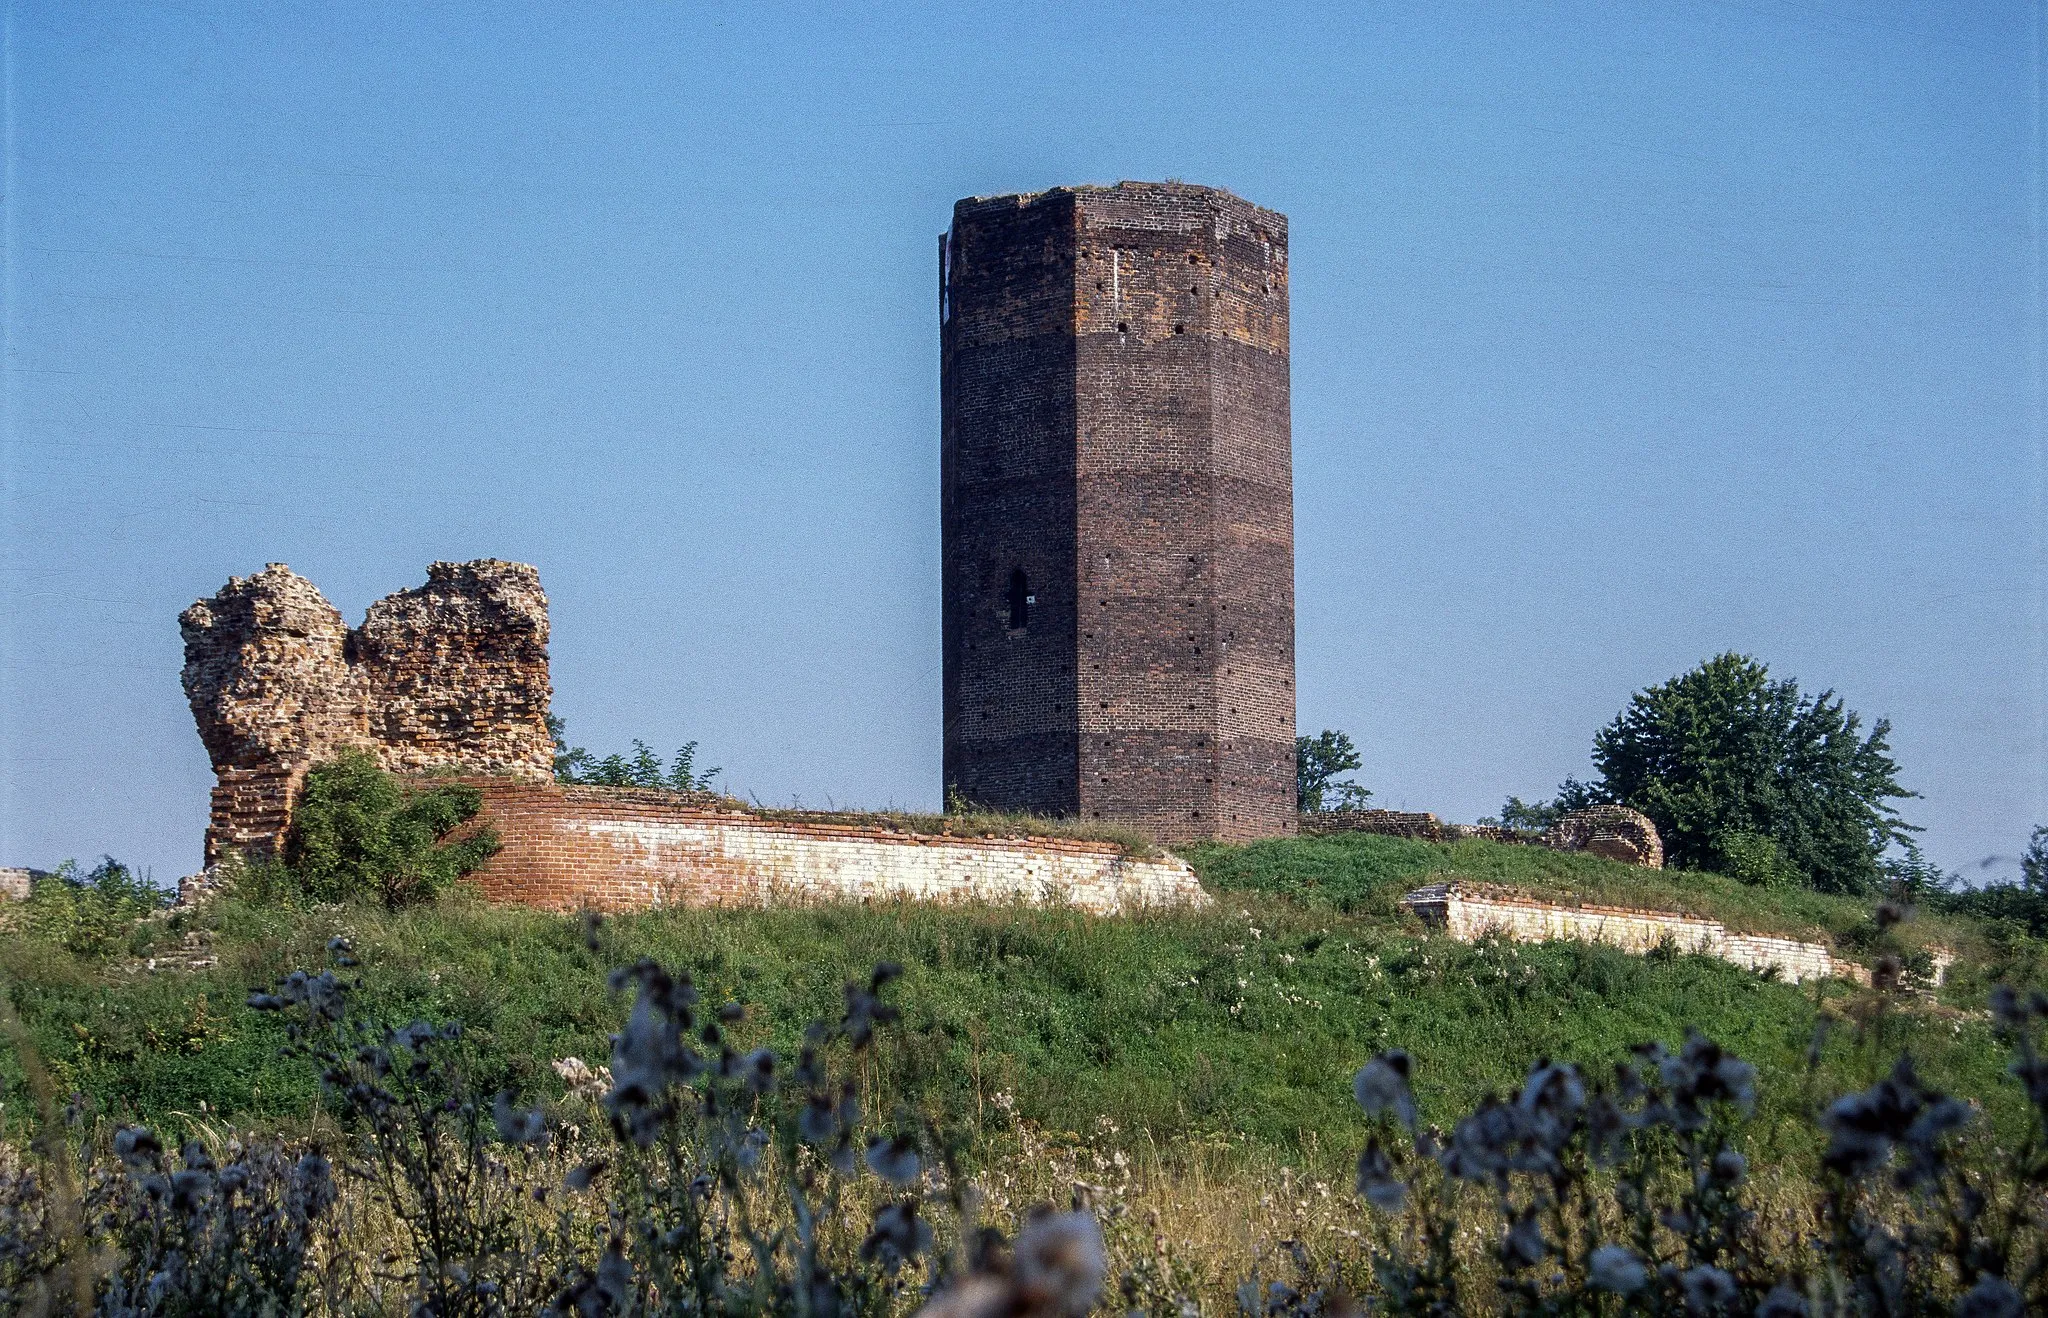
<point>865,1009</point>
<point>894,1158</point>
<point>1377,1182</point>
<point>1991,1297</point>
<point>818,1122</point>
<point>1707,1289</point>
<point>343,954</point>
<point>1381,1085</point>
<point>1729,1166</point>
<point>313,1183</point>
<point>191,1189</point>
<point>1782,1302</point>
<point>649,1055</point>
<point>137,1147</point>
<point>615,1276</point>
<point>898,1235</point>
<point>977,1295</point>
<point>1551,1101</point>
<point>1616,1268</point>
<point>1060,1263</point>
<point>1863,1128</point>
<point>2006,1009</point>
<point>1704,1073</point>
<point>516,1126</point>
<point>580,1177</point>
<point>1524,1246</point>
<point>757,1068</point>
<point>1606,1130</point>
<point>1480,1143</point>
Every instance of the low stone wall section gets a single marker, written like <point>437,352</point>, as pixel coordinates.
<point>609,848</point>
<point>1469,914</point>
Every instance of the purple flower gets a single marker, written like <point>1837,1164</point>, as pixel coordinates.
<point>1381,1085</point>
<point>1616,1268</point>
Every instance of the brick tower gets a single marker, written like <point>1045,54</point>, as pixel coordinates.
<point>1117,510</point>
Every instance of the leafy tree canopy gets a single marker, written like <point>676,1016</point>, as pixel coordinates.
<point>1318,760</point>
<point>1745,775</point>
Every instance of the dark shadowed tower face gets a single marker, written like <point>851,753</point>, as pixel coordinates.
<point>1117,509</point>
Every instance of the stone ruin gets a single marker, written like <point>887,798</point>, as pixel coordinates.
<point>452,675</point>
<point>1613,831</point>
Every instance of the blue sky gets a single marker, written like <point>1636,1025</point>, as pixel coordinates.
<point>1624,334</point>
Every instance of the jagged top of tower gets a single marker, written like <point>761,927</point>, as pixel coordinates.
<point>1130,190</point>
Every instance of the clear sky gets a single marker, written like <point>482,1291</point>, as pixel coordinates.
<point>1624,334</point>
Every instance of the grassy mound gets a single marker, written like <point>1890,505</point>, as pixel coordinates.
<point>1364,874</point>
<point>1238,1026</point>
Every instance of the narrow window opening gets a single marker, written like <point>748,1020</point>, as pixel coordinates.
<point>1021,600</point>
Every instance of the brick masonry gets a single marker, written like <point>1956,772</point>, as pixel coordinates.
<point>1117,509</point>
<point>1470,913</point>
<point>602,848</point>
<point>449,675</point>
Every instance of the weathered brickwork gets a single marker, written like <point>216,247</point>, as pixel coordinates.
<point>1614,831</point>
<point>1117,509</point>
<point>452,675</point>
<point>569,848</point>
<point>1469,914</point>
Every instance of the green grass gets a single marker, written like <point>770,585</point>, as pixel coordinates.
<point>1365,874</point>
<point>1242,1024</point>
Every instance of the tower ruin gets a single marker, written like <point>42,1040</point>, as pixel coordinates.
<point>1117,509</point>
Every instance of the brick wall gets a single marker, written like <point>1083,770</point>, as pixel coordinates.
<point>1469,914</point>
<point>567,848</point>
<point>1115,426</point>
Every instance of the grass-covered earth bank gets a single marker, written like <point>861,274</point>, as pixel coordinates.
<point>1196,1081</point>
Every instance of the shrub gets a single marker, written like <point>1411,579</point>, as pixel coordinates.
<point>90,913</point>
<point>1755,859</point>
<point>361,832</point>
<point>643,768</point>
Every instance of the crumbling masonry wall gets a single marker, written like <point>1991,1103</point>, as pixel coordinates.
<point>622,848</point>
<point>452,675</point>
<point>1470,912</point>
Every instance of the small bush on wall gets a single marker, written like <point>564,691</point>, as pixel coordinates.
<point>361,832</point>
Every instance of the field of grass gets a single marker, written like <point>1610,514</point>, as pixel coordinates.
<point>1237,1027</point>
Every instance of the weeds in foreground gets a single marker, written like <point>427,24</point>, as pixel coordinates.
<point>722,1179</point>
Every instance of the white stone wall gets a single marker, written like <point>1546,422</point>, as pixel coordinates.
<point>1469,915</point>
<point>703,857</point>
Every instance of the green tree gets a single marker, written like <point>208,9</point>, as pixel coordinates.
<point>1318,761</point>
<point>1724,759</point>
